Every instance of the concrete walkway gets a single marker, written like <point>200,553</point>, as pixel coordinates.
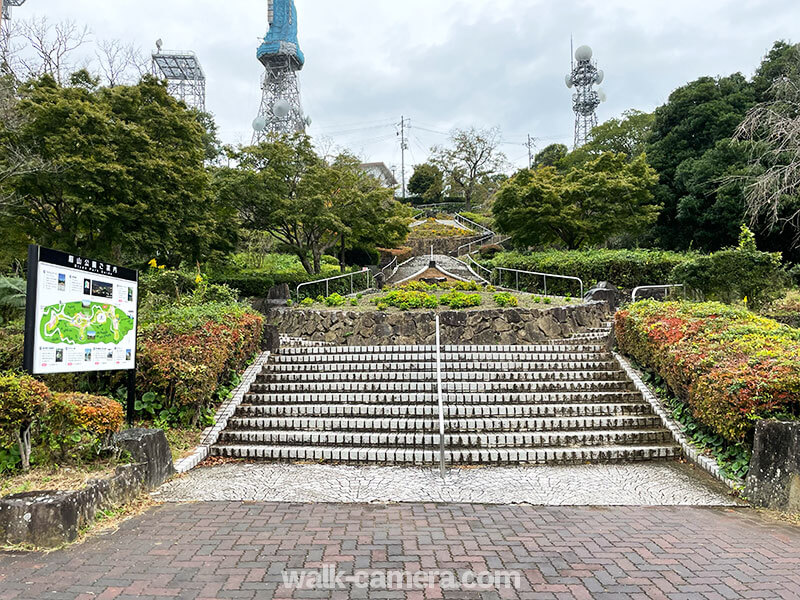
<point>418,551</point>
<point>644,484</point>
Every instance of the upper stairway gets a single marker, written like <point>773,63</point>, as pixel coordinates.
<point>567,401</point>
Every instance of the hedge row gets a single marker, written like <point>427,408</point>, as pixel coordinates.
<point>189,353</point>
<point>624,268</point>
<point>729,365</point>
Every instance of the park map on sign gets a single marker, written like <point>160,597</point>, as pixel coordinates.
<point>76,323</point>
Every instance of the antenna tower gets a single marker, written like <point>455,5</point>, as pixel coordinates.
<point>7,4</point>
<point>583,77</point>
<point>185,78</point>
<point>281,111</point>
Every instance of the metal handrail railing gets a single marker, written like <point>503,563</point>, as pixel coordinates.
<point>656,287</point>
<point>459,217</point>
<point>394,264</point>
<point>328,280</point>
<point>468,247</point>
<point>519,272</point>
<point>417,216</point>
<point>440,396</point>
<point>480,266</point>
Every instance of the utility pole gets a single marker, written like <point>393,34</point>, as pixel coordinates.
<point>403,148</point>
<point>531,147</point>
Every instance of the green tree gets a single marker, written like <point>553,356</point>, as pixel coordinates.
<point>427,182</point>
<point>551,156</point>
<point>127,178</point>
<point>308,205</point>
<point>605,197</point>
<point>473,156</point>
<point>696,117</point>
<point>627,135</point>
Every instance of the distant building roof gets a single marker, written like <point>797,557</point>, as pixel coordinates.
<point>381,172</point>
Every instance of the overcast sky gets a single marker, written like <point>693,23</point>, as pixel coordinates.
<point>446,63</point>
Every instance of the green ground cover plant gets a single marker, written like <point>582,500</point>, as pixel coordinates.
<point>506,300</point>
<point>728,365</point>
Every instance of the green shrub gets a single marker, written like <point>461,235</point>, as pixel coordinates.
<point>12,341</point>
<point>23,400</point>
<point>353,302</point>
<point>13,291</point>
<point>334,300</point>
<point>406,300</point>
<point>419,286</point>
<point>307,302</point>
<point>249,285</point>
<point>329,260</point>
<point>462,286</point>
<point>786,310</point>
<point>736,274</point>
<point>506,300</point>
<point>730,366</point>
<point>624,268</point>
<point>82,422</point>
<point>458,300</point>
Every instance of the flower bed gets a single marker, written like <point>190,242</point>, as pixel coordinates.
<point>730,366</point>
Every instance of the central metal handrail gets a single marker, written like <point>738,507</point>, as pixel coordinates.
<point>481,267</point>
<point>394,264</point>
<point>519,272</point>
<point>440,396</point>
<point>328,280</point>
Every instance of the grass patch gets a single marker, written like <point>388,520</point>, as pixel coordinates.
<point>182,441</point>
<point>53,477</point>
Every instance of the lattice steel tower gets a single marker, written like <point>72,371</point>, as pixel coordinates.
<point>585,100</point>
<point>281,111</point>
<point>184,74</point>
<point>7,4</point>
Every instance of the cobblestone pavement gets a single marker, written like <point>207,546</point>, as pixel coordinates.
<point>646,484</point>
<point>239,550</point>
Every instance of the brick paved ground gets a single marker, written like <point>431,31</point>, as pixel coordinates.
<point>233,550</point>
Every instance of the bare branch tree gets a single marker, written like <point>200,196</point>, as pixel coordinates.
<point>52,46</point>
<point>773,128</point>
<point>120,63</point>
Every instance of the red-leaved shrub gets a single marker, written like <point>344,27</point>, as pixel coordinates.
<point>730,366</point>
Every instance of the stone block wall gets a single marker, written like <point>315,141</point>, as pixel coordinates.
<point>444,245</point>
<point>483,326</point>
<point>774,478</point>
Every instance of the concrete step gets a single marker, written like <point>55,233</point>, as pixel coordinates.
<point>559,346</point>
<point>517,456</point>
<point>431,410</point>
<point>428,366</point>
<point>371,358</point>
<point>410,377</point>
<point>431,425</point>
<point>487,387</point>
<point>449,398</point>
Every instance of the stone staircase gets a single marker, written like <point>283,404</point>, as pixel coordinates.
<point>448,263</point>
<point>563,402</point>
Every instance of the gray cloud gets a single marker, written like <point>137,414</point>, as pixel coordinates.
<point>447,63</point>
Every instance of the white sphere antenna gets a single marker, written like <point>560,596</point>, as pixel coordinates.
<point>583,53</point>
<point>602,96</point>
<point>568,81</point>
<point>281,108</point>
<point>159,44</point>
<point>600,77</point>
<point>259,124</point>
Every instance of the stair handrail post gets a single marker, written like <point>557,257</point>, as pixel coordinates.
<point>441,397</point>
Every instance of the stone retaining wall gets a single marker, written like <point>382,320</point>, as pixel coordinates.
<point>48,519</point>
<point>442,245</point>
<point>774,478</point>
<point>489,326</point>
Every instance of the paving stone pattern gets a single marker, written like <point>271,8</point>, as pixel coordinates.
<point>642,484</point>
<point>233,550</point>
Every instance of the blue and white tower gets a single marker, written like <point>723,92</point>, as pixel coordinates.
<point>281,111</point>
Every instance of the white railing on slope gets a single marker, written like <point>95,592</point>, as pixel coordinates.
<point>518,272</point>
<point>328,280</point>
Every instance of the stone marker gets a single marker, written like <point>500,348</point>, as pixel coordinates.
<point>774,478</point>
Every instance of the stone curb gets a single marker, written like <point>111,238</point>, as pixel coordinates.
<point>225,412</point>
<point>706,463</point>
